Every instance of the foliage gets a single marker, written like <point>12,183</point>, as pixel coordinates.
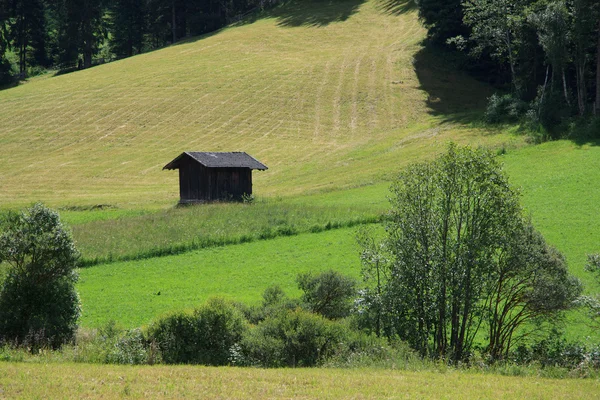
<point>132,348</point>
<point>329,293</point>
<point>555,351</point>
<point>531,285</point>
<point>38,302</point>
<point>290,338</point>
<point>451,254</point>
<point>504,108</point>
<point>443,19</point>
<point>205,336</point>
<point>592,303</point>
<point>127,26</point>
<point>516,33</point>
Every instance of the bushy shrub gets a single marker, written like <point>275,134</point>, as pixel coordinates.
<point>329,293</point>
<point>360,349</point>
<point>204,336</point>
<point>38,303</point>
<point>6,72</point>
<point>291,338</point>
<point>132,348</point>
<point>550,111</point>
<point>556,351</point>
<point>504,108</point>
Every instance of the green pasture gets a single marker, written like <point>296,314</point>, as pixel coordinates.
<point>134,293</point>
<point>177,230</point>
<point>40,380</point>
<point>557,182</point>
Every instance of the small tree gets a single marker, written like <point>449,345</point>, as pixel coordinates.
<point>458,251</point>
<point>329,293</point>
<point>38,302</point>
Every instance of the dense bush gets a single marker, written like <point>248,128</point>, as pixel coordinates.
<point>329,293</point>
<point>38,303</point>
<point>556,351</point>
<point>204,336</point>
<point>504,108</point>
<point>292,338</point>
<point>132,348</point>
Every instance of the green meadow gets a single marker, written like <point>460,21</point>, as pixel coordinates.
<point>39,380</point>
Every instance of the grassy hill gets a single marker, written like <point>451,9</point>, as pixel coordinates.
<point>328,94</point>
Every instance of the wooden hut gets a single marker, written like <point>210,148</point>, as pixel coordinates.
<point>205,176</point>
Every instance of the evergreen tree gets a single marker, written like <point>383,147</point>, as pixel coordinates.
<point>5,67</point>
<point>127,27</point>
<point>81,29</point>
<point>27,33</point>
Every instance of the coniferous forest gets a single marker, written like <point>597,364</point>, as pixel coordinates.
<point>75,34</point>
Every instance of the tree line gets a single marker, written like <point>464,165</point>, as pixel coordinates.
<point>546,51</point>
<point>40,34</point>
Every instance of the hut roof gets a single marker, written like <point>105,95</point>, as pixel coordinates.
<point>235,159</point>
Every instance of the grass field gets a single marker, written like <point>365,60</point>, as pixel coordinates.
<point>550,177</point>
<point>128,292</point>
<point>98,381</point>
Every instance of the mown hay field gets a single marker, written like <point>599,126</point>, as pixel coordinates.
<point>328,95</point>
<point>101,381</point>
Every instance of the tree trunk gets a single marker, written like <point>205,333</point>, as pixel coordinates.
<point>564,79</point>
<point>511,61</point>
<point>580,73</point>
<point>597,108</point>
<point>174,22</point>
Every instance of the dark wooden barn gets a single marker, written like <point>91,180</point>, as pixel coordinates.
<point>205,177</point>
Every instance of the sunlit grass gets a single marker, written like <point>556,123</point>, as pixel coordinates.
<point>134,293</point>
<point>21,380</point>
<point>328,95</point>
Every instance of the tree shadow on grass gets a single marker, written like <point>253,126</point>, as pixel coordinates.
<point>396,7</point>
<point>315,13</point>
<point>452,94</point>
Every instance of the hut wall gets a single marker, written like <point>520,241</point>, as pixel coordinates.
<point>198,183</point>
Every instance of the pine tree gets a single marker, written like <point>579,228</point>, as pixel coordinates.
<point>127,27</point>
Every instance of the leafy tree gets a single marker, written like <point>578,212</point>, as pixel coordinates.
<point>531,282</point>
<point>552,23</point>
<point>38,302</point>
<point>448,253</point>
<point>496,25</point>
<point>443,19</point>
<point>329,293</point>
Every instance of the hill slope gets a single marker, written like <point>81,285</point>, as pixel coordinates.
<point>327,94</point>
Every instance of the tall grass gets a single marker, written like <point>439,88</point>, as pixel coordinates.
<point>179,230</point>
<point>41,380</point>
